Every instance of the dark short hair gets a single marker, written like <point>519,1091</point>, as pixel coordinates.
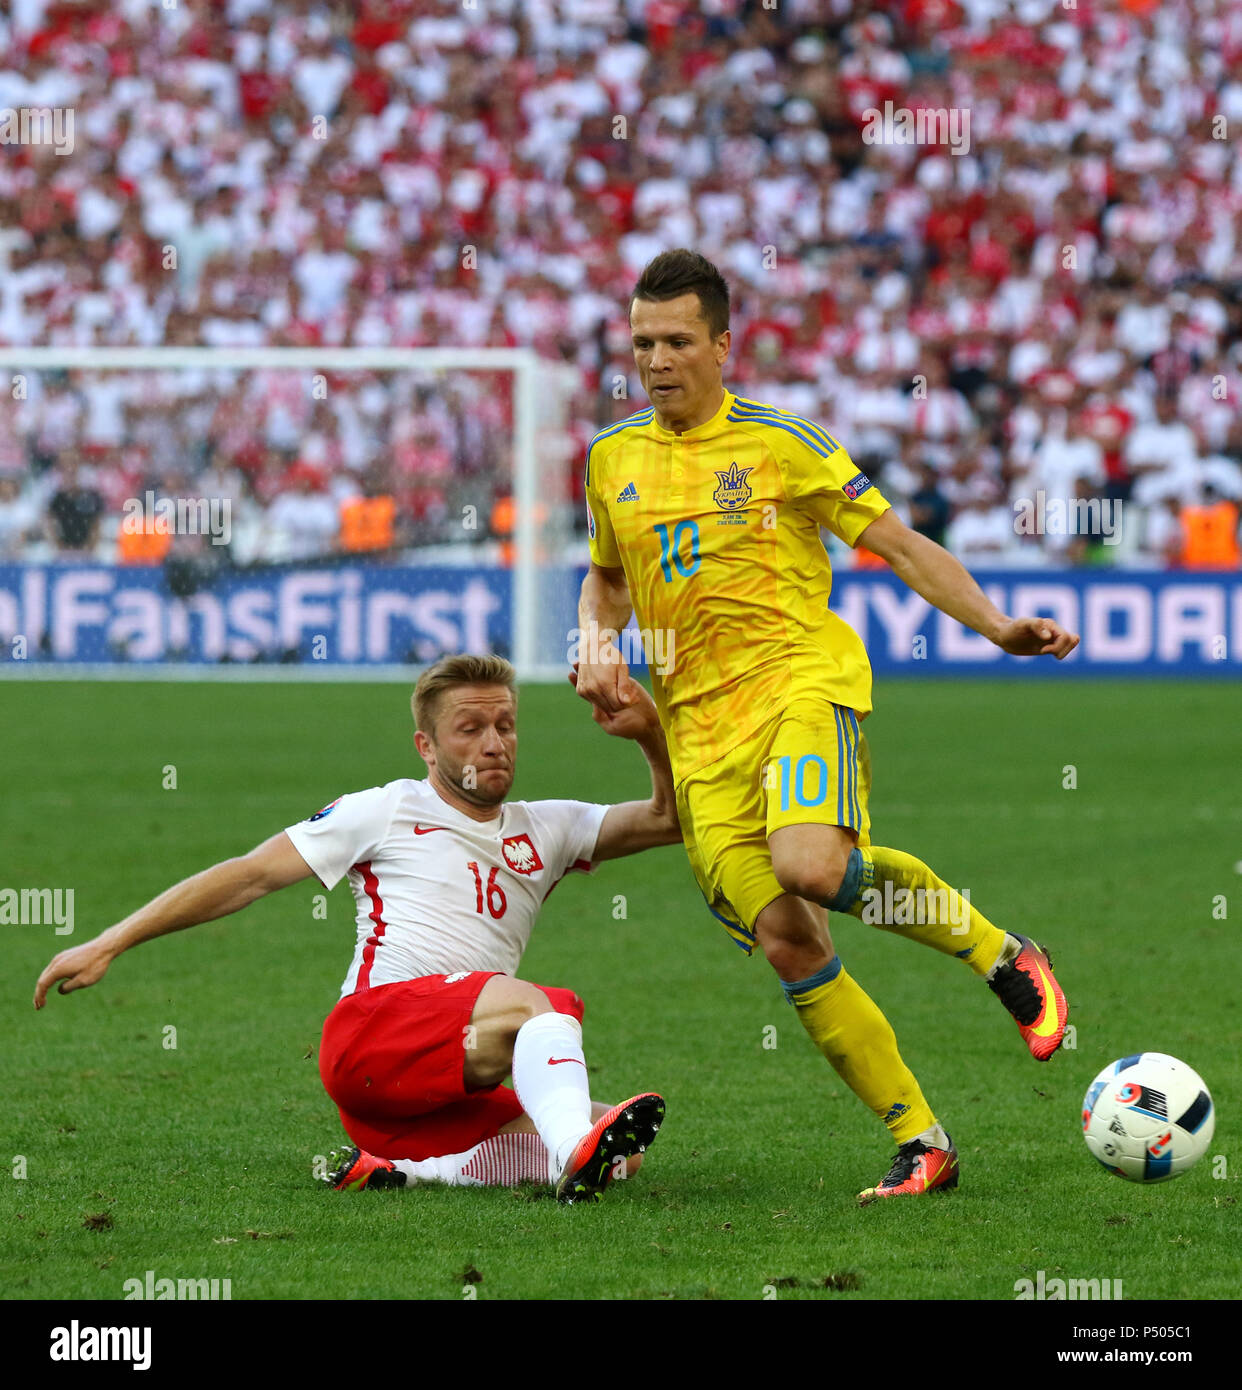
<point>449,673</point>
<point>674,273</point>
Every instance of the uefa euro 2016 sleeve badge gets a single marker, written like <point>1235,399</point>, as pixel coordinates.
<point>856,486</point>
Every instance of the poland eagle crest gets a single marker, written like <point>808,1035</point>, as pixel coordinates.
<point>520,855</point>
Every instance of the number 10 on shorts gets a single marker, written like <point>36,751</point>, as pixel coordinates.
<point>808,781</point>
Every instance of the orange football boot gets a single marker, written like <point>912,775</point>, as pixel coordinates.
<point>1029,990</point>
<point>356,1169</point>
<point>918,1169</point>
<point>625,1130</point>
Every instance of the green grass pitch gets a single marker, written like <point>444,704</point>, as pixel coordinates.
<point>195,1161</point>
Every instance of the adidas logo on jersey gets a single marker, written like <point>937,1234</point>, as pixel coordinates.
<point>628,494</point>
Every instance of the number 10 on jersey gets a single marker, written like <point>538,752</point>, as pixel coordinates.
<point>671,550</point>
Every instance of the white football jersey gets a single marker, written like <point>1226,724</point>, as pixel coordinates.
<point>437,892</point>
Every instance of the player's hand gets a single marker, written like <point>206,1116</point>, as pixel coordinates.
<point>606,682</point>
<point>636,717</point>
<point>1036,637</point>
<point>76,969</point>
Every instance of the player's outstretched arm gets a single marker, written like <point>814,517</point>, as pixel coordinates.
<point>631,826</point>
<point>604,608</point>
<point>225,887</point>
<point>945,583</point>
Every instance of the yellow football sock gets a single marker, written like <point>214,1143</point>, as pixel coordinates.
<point>899,893</point>
<point>848,1028</point>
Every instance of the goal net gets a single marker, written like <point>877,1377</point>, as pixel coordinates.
<point>331,510</point>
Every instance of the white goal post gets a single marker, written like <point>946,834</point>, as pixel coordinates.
<point>543,396</point>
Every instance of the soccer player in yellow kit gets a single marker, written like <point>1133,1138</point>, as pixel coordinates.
<point>704,517</point>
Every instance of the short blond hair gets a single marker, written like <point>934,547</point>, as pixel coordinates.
<point>449,673</point>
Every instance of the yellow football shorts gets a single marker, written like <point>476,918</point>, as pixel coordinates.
<point>808,765</point>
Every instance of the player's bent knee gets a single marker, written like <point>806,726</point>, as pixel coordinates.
<point>832,882</point>
<point>812,861</point>
<point>794,938</point>
<point>504,1004</point>
<point>817,883</point>
<point>530,1006</point>
<point>794,960</point>
<point>780,956</point>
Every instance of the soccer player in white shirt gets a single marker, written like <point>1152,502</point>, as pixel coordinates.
<point>448,878</point>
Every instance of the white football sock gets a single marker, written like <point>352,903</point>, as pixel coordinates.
<point>934,1138</point>
<point>1007,952</point>
<point>550,1078</point>
<point>505,1160</point>
<point>500,1161</point>
<point>420,1170</point>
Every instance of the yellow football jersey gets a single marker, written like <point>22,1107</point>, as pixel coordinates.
<point>717,530</point>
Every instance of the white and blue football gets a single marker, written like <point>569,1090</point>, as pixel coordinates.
<point>1148,1117</point>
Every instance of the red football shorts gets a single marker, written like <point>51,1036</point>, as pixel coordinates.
<point>393,1057</point>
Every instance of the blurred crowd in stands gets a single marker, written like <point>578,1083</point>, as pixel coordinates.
<point>1051,315</point>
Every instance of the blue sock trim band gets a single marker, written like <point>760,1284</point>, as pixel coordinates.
<point>847,894</point>
<point>821,977</point>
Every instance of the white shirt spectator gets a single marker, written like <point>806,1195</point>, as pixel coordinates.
<point>944,414</point>
<point>721,214</point>
<point>107,394</point>
<point>800,398</point>
<point>301,526</point>
<point>20,515</point>
<point>1142,329</point>
<point>1096,366</point>
<point>319,81</point>
<point>1162,530</point>
<point>980,535</point>
<point>1213,410</point>
<point>876,417</point>
<point>894,351</point>
<point>1057,466</point>
<point>1222,473</point>
<point>323,277</point>
<point>1168,456</point>
<point>619,67</point>
<point>166,211</point>
<point>1048,258</point>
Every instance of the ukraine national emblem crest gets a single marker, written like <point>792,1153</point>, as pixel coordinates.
<point>734,491</point>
